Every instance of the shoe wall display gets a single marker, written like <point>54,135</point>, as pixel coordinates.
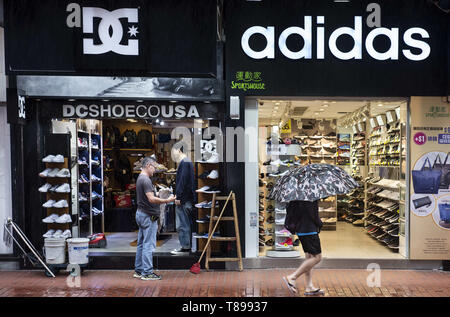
<point>90,177</point>
<point>208,176</point>
<point>56,191</point>
<point>382,219</point>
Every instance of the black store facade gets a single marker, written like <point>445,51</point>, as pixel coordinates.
<point>335,82</point>
<point>110,83</point>
<point>367,58</point>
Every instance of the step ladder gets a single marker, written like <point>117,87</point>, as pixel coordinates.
<point>215,219</point>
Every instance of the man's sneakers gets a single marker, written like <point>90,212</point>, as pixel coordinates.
<point>56,204</point>
<point>55,172</point>
<point>45,188</point>
<point>213,175</point>
<point>151,277</point>
<point>58,234</point>
<point>180,251</point>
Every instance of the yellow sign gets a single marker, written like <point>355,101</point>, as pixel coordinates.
<point>286,128</point>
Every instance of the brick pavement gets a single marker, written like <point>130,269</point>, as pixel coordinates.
<point>249,283</point>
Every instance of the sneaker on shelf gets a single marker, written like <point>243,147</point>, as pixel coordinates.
<point>50,219</point>
<point>58,234</point>
<point>200,205</point>
<point>96,211</point>
<point>82,196</point>
<point>58,159</point>
<point>48,203</point>
<point>204,175</point>
<point>94,178</point>
<point>64,188</point>
<point>53,172</point>
<point>213,159</point>
<point>66,234</point>
<point>285,244</point>
<point>48,159</point>
<point>283,232</point>
<point>45,172</point>
<point>64,219</point>
<point>212,190</point>
<point>61,204</point>
<point>63,173</point>
<point>203,189</point>
<point>213,175</point>
<point>82,161</point>
<point>49,234</point>
<point>276,163</point>
<point>45,188</point>
<point>95,195</point>
<point>95,162</point>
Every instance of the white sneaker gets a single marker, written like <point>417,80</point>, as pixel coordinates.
<point>48,159</point>
<point>45,172</point>
<point>96,211</point>
<point>45,188</point>
<point>66,234</point>
<point>64,219</point>
<point>50,219</point>
<point>213,159</point>
<point>64,188</point>
<point>213,175</point>
<point>49,203</point>
<point>61,204</point>
<point>58,159</point>
<point>276,163</point>
<point>49,234</point>
<point>63,173</point>
<point>203,189</point>
<point>53,172</point>
<point>58,234</point>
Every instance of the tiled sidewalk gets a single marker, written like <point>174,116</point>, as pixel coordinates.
<point>249,283</point>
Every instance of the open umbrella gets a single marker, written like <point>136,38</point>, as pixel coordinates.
<point>312,182</point>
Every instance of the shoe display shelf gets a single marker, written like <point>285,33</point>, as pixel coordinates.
<point>343,149</point>
<point>328,212</point>
<point>275,212</point>
<point>385,146</point>
<point>203,213</point>
<point>318,148</point>
<point>90,178</point>
<point>53,190</point>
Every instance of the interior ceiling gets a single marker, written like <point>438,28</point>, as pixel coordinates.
<point>272,111</point>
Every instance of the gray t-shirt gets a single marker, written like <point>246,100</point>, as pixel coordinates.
<point>144,185</point>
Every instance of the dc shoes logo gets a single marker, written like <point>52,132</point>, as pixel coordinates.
<point>21,105</point>
<point>110,29</point>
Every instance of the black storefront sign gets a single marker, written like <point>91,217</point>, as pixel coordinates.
<point>327,48</point>
<point>96,109</point>
<point>16,106</point>
<point>122,37</point>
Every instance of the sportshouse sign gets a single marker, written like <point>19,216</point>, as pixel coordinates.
<point>125,110</point>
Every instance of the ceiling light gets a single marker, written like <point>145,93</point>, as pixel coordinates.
<point>380,105</point>
<point>325,105</point>
<point>316,113</point>
<point>276,108</point>
<point>162,123</point>
<point>157,120</point>
<point>321,109</point>
<point>277,103</point>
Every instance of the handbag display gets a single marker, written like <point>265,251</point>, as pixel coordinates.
<point>444,212</point>
<point>445,169</point>
<point>426,181</point>
<point>420,202</point>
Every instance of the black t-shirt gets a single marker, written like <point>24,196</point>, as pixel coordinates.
<point>144,185</point>
<point>303,217</point>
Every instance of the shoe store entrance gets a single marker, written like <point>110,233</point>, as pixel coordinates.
<point>366,138</point>
<point>106,159</point>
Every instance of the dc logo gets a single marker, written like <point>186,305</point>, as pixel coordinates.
<point>110,29</point>
<point>21,104</point>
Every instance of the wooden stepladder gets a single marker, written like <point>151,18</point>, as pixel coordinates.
<point>213,223</point>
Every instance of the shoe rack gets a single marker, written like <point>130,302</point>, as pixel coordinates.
<point>203,213</point>
<point>57,144</point>
<point>385,181</point>
<point>89,153</point>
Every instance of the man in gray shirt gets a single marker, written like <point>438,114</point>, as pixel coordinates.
<point>147,215</point>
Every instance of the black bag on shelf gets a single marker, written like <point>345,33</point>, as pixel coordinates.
<point>129,138</point>
<point>144,139</point>
<point>123,170</point>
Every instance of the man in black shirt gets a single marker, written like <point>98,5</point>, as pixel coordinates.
<point>185,198</point>
<point>147,215</point>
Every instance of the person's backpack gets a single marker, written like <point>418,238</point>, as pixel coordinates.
<point>129,138</point>
<point>123,170</point>
<point>144,139</point>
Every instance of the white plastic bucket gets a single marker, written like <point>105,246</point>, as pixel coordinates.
<point>78,250</point>
<point>55,250</point>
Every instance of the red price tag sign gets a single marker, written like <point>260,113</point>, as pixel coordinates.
<point>420,138</point>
